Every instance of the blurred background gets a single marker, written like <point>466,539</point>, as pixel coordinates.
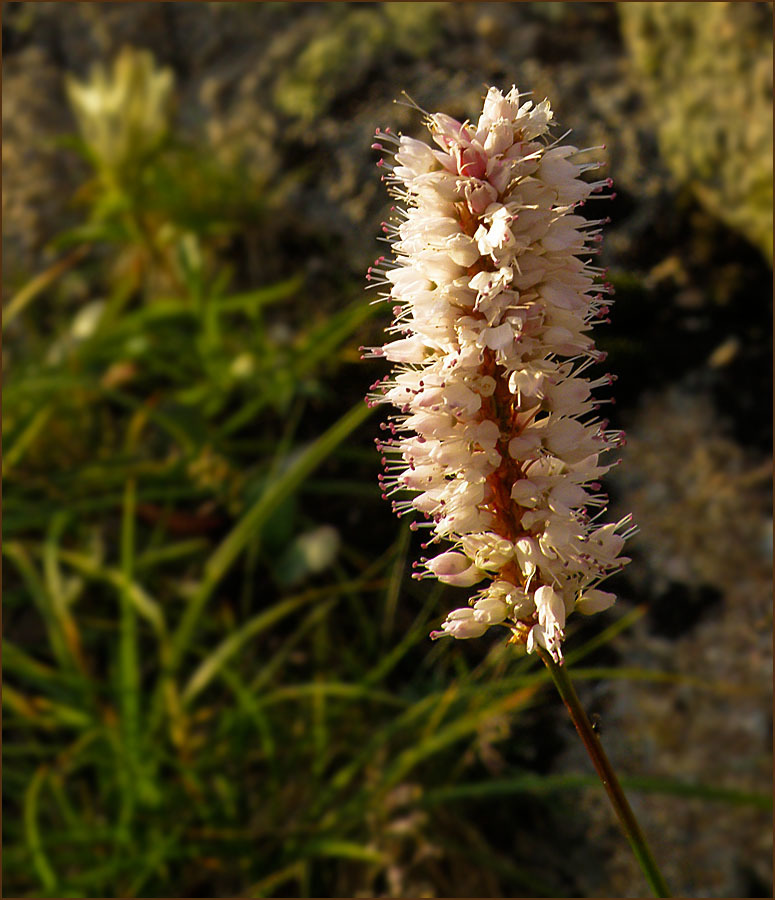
<point>217,676</point>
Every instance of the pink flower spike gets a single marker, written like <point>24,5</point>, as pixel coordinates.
<point>495,444</point>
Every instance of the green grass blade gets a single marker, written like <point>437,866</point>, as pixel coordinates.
<point>251,301</point>
<point>145,605</point>
<point>420,711</point>
<point>56,591</point>
<point>294,872</point>
<point>340,689</point>
<point>32,833</point>
<point>153,859</point>
<point>251,523</point>
<point>269,670</point>
<point>459,728</point>
<point>708,792</point>
<point>396,578</point>
<point>45,713</point>
<point>251,708</point>
<point>150,558</point>
<point>128,666</point>
<point>321,342</point>
<point>18,555</point>
<point>631,673</point>
<point>606,635</point>
<point>17,662</point>
<point>19,444</point>
<point>40,283</point>
<point>391,659</point>
<point>341,849</point>
<point>548,784</point>
<point>228,648</point>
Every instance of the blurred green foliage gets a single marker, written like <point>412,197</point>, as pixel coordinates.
<point>707,74</point>
<point>213,686</point>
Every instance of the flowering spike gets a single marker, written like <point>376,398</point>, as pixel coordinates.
<point>496,435</point>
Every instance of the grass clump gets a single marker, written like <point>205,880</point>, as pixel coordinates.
<point>202,669</point>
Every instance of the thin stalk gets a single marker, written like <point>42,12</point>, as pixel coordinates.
<point>602,764</point>
<point>128,662</point>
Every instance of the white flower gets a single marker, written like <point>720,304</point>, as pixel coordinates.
<point>460,623</point>
<point>455,568</point>
<point>594,601</point>
<point>123,113</point>
<point>494,295</point>
<point>551,620</point>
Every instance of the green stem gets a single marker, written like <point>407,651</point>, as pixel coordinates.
<point>629,823</point>
<point>128,662</point>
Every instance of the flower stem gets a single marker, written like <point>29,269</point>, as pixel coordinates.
<point>607,775</point>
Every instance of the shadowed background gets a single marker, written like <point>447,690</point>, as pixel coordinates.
<point>217,677</point>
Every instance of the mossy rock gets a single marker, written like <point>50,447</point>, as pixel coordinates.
<point>353,42</point>
<point>706,71</point>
